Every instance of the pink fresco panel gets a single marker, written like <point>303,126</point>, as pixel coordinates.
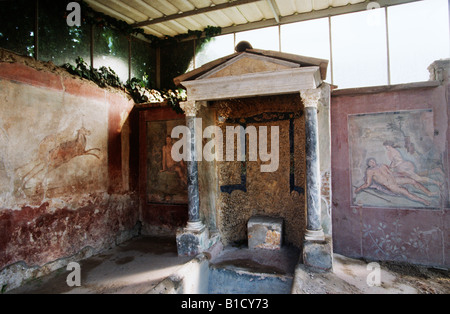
<point>390,170</point>
<point>394,153</point>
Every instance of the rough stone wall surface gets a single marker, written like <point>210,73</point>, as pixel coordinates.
<point>267,193</point>
<point>63,166</point>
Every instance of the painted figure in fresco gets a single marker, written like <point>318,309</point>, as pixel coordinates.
<point>382,178</point>
<point>52,155</point>
<point>404,168</point>
<point>168,164</point>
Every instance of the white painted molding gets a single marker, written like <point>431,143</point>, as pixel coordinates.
<point>254,84</point>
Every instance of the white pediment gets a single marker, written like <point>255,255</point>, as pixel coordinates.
<point>253,73</point>
<point>247,63</point>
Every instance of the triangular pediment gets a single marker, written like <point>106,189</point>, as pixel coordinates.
<point>246,63</point>
<point>252,61</point>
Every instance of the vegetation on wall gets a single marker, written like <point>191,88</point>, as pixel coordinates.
<point>176,55</point>
<point>138,89</point>
<point>176,52</point>
<point>61,44</point>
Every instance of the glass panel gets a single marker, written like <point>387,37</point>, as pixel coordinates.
<point>175,60</point>
<point>264,38</point>
<point>418,35</point>
<point>111,50</point>
<point>216,48</point>
<point>143,62</point>
<point>309,38</point>
<point>17,26</point>
<point>58,42</point>
<point>359,49</point>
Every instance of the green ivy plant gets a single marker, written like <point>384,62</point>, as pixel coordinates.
<point>138,89</point>
<point>103,77</point>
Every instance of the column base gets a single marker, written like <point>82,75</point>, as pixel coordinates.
<point>314,235</point>
<point>196,226</point>
<point>318,254</point>
<point>193,239</point>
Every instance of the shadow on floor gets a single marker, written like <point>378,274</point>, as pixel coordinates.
<point>139,265</point>
<point>133,267</point>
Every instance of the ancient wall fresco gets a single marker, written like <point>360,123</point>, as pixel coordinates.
<point>64,166</point>
<point>166,179</point>
<point>406,168</point>
<point>390,173</point>
<point>50,153</point>
<point>162,181</point>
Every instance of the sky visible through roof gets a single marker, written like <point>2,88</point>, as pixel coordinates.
<point>415,34</point>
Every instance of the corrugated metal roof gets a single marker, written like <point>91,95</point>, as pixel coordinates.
<point>173,17</point>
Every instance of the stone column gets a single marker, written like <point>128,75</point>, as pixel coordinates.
<point>317,249</point>
<point>194,223</point>
<point>193,239</point>
<point>314,231</point>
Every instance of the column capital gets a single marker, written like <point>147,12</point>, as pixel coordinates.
<point>310,97</point>
<point>191,107</point>
<point>440,70</point>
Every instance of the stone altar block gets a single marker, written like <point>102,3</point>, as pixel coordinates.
<point>265,233</point>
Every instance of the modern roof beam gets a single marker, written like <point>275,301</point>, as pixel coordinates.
<point>275,10</point>
<point>299,17</point>
<point>216,7</point>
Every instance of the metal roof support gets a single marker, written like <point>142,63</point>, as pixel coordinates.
<point>36,30</point>
<point>275,10</point>
<point>331,11</point>
<point>216,7</point>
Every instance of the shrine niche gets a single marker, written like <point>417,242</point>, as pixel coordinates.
<point>244,190</point>
<point>279,103</point>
